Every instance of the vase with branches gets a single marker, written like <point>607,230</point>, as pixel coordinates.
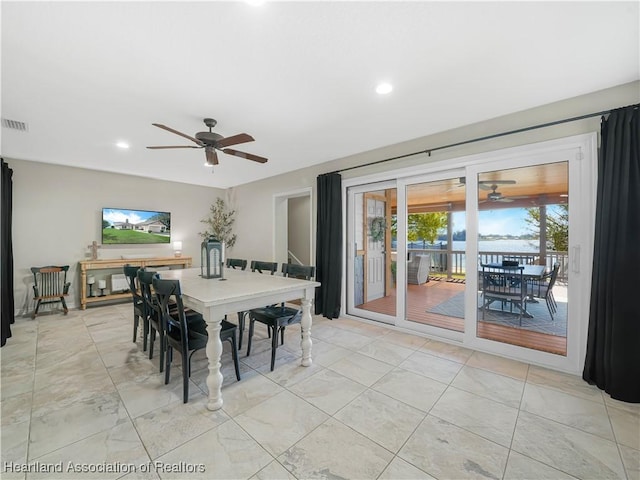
<point>220,223</point>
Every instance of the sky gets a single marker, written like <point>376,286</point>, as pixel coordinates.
<point>134,216</point>
<point>503,221</point>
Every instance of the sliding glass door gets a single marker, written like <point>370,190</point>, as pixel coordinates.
<point>494,254</point>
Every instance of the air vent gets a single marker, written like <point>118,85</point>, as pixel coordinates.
<point>14,125</point>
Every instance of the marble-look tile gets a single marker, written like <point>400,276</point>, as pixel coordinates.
<point>520,467</point>
<point>633,408</point>
<point>572,451</point>
<point>15,441</point>
<point>361,369</point>
<point>626,427</point>
<point>345,338</point>
<point>265,421</point>
<point>368,329</point>
<point>166,428</point>
<point>16,409</point>
<point>567,409</point>
<point>273,471</point>
<point>324,353</point>
<point>394,421</point>
<point>105,334</point>
<point>328,390</point>
<point>77,388</point>
<point>333,450</point>
<point>120,354</point>
<point>490,385</point>
<point>17,377</point>
<point>119,447</point>
<point>290,372</point>
<point>416,390</point>
<point>75,422</point>
<point>487,418</point>
<point>259,359</point>
<point>405,339</point>
<point>631,461</point>
<point>387,352</point>
<point>398,469</point>
<point>436,368</point>
<point>455,353</point>
<point>564,382</point>
<point>226,452</point>
<point>148,394</point>
<point>252,390</point>
<point>446,451</point>
<point>503,366</point>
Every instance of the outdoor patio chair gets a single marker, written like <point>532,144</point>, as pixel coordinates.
<point>545,288</point>
<point>418,269</point>
<point>505,285</point>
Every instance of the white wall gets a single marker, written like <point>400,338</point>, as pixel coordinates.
<point>57,213</point>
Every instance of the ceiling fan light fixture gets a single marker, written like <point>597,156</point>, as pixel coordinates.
<point>122,145</point>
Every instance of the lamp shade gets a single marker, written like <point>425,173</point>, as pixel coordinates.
<point>177,245</point>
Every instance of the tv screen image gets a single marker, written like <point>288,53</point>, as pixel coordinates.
<point>124,227</point>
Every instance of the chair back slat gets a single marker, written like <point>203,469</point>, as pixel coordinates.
<point>303,272</point>
<point>262,267</point>
<point>237,263</point>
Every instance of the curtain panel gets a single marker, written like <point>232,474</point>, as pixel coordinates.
<point>6,253</point>
<point>329,245</point>
<point>613,345</point>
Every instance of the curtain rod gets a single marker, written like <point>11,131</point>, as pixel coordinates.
<point>488,137</point>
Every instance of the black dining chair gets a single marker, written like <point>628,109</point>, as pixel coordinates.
<point>236,263</point>
<point>131,274</point>
<point>259,267</point>
<point>152,315</point>
<point>279,317</point>
<point>187,337</point>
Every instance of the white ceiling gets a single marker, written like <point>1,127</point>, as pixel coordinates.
<point>298,76</point>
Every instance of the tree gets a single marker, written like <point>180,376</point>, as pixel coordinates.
<point>425,226</point>
<point>557,226</point>
<point>220,223</point>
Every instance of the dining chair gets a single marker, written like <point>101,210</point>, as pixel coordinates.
<point>187,337</point>
<point>151,312</point>
<point>131,274</point>
<point>259,267</point>
<point>505,285</point>
<point>279,317</point>
<point>545,289</point>
<point>236,263</point>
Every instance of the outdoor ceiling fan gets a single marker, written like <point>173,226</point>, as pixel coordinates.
<point>211,142</point>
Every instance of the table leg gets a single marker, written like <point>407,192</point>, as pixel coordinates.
<point>305,325</point>
<point>214,352</point>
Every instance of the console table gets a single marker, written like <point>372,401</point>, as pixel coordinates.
<point>117,263</point>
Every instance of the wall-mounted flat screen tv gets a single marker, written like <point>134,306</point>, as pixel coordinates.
<point>121,226</point>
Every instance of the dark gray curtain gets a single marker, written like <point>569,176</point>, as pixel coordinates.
<point>613,345</point>
<point>329,245</point>
<point>6,253</point>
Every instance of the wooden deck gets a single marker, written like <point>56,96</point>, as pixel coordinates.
<point>421,298</point>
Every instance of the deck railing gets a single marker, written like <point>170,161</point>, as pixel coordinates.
<point>453,262</point>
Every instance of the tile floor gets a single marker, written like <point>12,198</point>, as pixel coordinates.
<point>77,394</point>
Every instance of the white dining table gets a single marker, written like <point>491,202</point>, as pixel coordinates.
<point>239,291</point>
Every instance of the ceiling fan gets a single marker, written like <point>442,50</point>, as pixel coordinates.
<point>211,142</point>
<point>494,195</point>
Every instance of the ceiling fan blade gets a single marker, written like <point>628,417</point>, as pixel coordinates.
<point>173,146</point>
<point>248,156</point>
<point>212,156</point>
<point>234,140</point>
<point>484,186</point>
<point>504,199</point>
<point>169,129</point>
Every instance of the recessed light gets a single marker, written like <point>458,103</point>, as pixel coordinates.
<point>384,88</point>
<point>123,145</point>
<point>208,164</point>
